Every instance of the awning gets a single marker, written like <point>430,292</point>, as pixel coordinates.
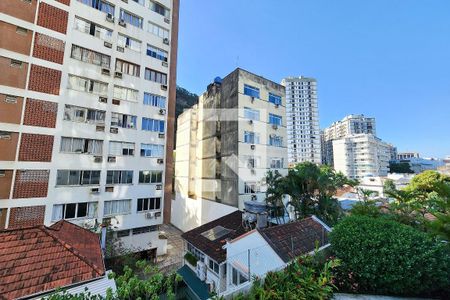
<point>197,286</point>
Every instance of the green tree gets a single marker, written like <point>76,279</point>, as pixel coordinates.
<point>402,167</point>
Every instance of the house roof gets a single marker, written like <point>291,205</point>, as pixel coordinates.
<point>296,238</point>
<point>39,258</point>
<point>214,248</point>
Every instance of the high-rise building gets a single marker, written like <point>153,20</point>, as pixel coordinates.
<point>302,119</point>
<point>86,114</point>
<point>226,145</point>
<point>350,125</point>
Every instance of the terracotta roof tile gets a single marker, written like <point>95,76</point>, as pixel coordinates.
<point>39,259</point>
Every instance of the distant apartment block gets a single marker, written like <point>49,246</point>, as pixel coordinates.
<point>226,145</point>
<point>302,119</point>
<point>407,155</point>
<point>87,95</point>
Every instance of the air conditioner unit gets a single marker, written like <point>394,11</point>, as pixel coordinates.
<point>111,159</point>
<point>158,214</point>
<point>250,122</point>
<point>276,105</point>
<point>253,171</point>
<point>95,191</point>
<point>162,111</point>
<point>5,136</point>
<point>161,135</point>
<point>120,49</point>
<point>165,64</point>
<point>114,130</point>
<point>107,44</point>
<point>103,99</point>
<point>166,41</point>
<point>110,18</point>
<point>109,189</point>
<point>116,102</point>
<point>252,147</point>
<point>122,23</point>
<point>98,159</point>
<point>164,87</point>
<point>254,198</point>
<point>106,71</point>
<point>167,20</point>
<point>160,161</point>
<point>10,99</point>
<point>274,126</point>
<point>150,215</point>
<point>118,74</point>
<point>159,187</point>
<point>100,128</point>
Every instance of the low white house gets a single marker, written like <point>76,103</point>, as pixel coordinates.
<point>228,255</point>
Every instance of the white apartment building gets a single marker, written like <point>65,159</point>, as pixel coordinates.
<point>86,89</point>
<point>225,147</point>
<point>361,155</point>
<point>302,118</point>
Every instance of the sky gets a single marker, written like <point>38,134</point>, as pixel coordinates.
<point>388,59</point>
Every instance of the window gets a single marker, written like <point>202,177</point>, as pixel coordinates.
<point>157,53</point>
<point>117,207</point>
<point>252,162</point>
<point>276,163</point>
<point>147,204</point>
<point>90,56</point>
<point>150,176</point>
<point>154,100</point>
<point>251,188</point>
<point>275,119</point>
<point>213,266</point>
<point>121,148</point>
<point>127,68</point>
<point>251,137</point>
<point>153,125</point>
<point>127,42</point>
<point>77,177</point>
<point>124,93</point>
<point>93,29</point>
<point>79,145</point>
<point>237,278</point>
<point>87,85</point>
<point>155,76</point>
<point>275,99</point>
<point>123,121</point>
<point>197,253</point>
<point>158,30</point>
<point>141,2</point>
<point>83,114</point>
<point>141,230</point>
<point>158,8</point>
<point>275,140</point>
<point>152,150</point>
<point>119,177</point>
<point>123,233</point>
<point>131,19</point>
<point>251,91</point>
<point>100,5</point>
<point>74,211</point>
<point>251,114</point>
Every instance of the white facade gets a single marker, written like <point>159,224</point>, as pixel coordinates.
<point>302,117</point>
<point>138,229</point>
<point>361,155</point>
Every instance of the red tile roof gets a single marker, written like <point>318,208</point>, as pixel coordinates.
<point>38,259</point>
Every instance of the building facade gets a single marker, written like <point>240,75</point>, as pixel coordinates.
<point>302,119</point>
<point>86,114</point>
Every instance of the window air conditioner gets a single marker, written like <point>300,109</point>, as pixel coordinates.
<point>160,161</point>
<point>252,147</point>
<point>166,41</point>
<point>110,18</point>
<point>162,111</point>
<point>122,23</point>
<point>118,74</point>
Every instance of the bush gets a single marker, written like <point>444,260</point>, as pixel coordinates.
<point>191,259</point>
<point>385,257</point>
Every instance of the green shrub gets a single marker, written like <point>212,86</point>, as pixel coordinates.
<point>385,257</point>
<point>191,259</point>
<point>365,208</point>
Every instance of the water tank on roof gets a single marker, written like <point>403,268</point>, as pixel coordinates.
<point>218,80</point>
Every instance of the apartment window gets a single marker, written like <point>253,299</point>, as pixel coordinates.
<point>155,76</point>
<point>251,187</point>
<point>83,114</point>
<point>152,150</point>
<point>150,176</point>
<point>154,100</point>
<point>127,68</point>
<point>237,278</point>
<point>141,2</point>
<point>117,207</point>
<point>93,29</point>
<point>131,19</point>
<point>252,161</point>
<point>74,211</point>
<point>275,99</point>
<point>213,266</point>
<point>275,119</point>
<point>90,56</point>
<point>153,125</point>
<point>123,233</point>
<point>77,177</point>
<point>142,230</point>
<point>158,30</point>
<point>251,137</point>
<point>157,53</point>
<point>251,114</point>
<point>197,253</point>
<point>87,85</point>
<point>79,145</point>
<point>123,121</point>
<point>251,91</point>
<point>276,162</point>
<point>121,148</point>
<point>124,93</point>
<point>276,141</point>
<point>148,204</point>
<point>160,9</point>
<point>119,177</point>
<point>99,5</point>
<point>130,43</point>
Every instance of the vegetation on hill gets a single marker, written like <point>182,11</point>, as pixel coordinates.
<point>184,100</point>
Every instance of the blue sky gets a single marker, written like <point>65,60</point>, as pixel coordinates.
<point>389,59</point>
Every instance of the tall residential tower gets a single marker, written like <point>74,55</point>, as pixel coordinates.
<point>87,98</point>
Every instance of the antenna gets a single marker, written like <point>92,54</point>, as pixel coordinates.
<point>237,61</point>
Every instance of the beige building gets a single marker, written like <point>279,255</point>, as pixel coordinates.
<point>226,145</point>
